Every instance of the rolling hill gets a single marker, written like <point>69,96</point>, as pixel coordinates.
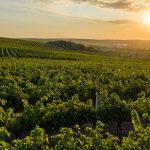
<point>73,49</point>
<point>124,48</point>
<point>35,49</point>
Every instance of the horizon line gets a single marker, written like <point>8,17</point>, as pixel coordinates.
<point>67,38</point>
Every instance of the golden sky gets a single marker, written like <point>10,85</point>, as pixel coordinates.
<point>88,19</point>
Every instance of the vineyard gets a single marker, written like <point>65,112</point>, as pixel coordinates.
<point>28,49</point>
<point>48,97</point>
<point>19,48</point>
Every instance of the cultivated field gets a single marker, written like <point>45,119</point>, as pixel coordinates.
<point>48,96</point>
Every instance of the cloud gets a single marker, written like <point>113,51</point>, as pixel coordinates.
<point>89,19</point>
<point>121,4</point>
<point>128,5</point>
<point>121,22</point>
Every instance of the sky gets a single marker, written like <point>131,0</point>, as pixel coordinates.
<point>81,19</point>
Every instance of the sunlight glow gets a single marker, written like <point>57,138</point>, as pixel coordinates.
<point>147,19</point>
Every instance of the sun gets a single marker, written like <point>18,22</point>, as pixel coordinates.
<point>147,19</point>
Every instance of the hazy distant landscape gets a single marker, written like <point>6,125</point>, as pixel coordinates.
<point>125,48</point>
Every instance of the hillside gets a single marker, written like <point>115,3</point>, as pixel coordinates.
<point>34,49</point>
<point>73,49</point>
<point>124,48</point>
<point>22,48</point>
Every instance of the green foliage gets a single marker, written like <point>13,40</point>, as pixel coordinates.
<point>3,133</point>
<point>3,136</point>
<point>136,120</point>
<point>42,100</point>
<point>69,45</point>
<point>74,139</point>
<point>139,138</point>
<point>37,140</point>
<point>67,113</point>
<point>119,109</point>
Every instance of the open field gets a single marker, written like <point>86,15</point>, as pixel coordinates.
<point>29,49</point>
<point>45,91</point>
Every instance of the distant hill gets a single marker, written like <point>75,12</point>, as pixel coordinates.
<point>73,48</point>
<point>124,48</point>
<point>34,49</point>
<point>119,44</point>
<point>69,45</point>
